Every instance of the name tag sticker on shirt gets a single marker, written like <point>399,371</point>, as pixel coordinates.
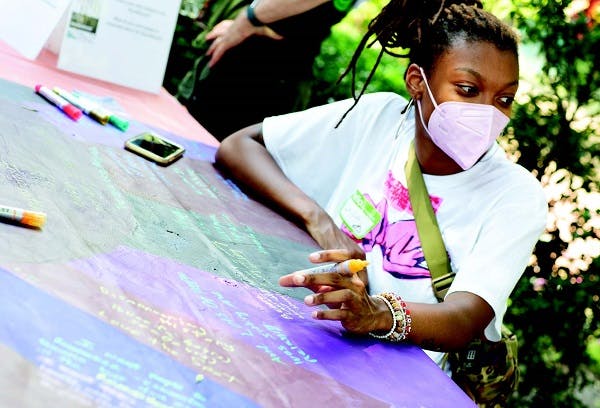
<point>359,215</point>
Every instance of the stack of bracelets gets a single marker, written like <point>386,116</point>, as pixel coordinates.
<point>401,316</point>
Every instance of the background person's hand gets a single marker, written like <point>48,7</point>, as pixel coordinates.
<point>230,33</point>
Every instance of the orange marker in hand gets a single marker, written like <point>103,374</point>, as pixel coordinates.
<point>345,267</point>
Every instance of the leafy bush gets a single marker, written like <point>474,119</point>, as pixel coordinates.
<point>556,303</point>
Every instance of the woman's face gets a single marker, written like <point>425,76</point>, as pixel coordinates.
<point>475,72</point>
<point>471,72</point>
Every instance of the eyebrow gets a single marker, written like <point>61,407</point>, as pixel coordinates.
<point>478,75</point>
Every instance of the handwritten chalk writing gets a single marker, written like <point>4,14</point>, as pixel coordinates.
<point>230,184</point>
<point>177,337</point>
<point>108,379</point>
<point>118,198</point>
<point>122,362</point>
<point>252,329</point>
<point>218,226</point>
<point>218,374</point>
<point>55,381</point>
<point>75,374</point>
<point>202,355</point>
<point>284,306</point>
<point>225,317</point>
<point>197,184</point>
<point>192,284</point>
<point>249,232</point>
<point>274,357</point>
<point>223,301</point>
<point>210,303</point>
<point>209,184</point>
<point>244,266</point>
<point>242,321</point>
<point>126,163</point>
<point>162,177</point>
<point>59,342</point>
<point>278,332</point>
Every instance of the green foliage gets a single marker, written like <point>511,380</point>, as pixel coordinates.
<point>555,134</point>
<point>336,54</point>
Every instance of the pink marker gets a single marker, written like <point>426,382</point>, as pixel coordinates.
<point>70,110</point>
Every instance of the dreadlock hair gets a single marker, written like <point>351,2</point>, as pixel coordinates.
<point>427,29</point>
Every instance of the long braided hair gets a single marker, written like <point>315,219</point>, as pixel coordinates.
<point>426,29</point>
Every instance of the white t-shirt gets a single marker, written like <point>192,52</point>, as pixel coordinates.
<point>490,216</point>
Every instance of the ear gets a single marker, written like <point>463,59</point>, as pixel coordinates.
<point>414,82</point>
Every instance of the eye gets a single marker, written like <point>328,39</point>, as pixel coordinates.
<point>468,90</point>
<point>506,101</point>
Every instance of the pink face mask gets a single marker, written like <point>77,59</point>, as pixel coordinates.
<point>464,131</point>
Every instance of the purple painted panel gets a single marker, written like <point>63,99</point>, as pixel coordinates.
<point>277,332</point>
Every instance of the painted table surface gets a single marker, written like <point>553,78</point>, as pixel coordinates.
<point>157,286</point>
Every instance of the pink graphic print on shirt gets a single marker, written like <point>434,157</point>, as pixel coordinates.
<point>398,241</point>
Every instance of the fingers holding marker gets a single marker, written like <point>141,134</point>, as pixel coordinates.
<point>329,298</point>
<point>331,255</point>
<point>326,274</point>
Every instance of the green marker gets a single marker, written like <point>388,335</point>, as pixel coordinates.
<point>119,123</point>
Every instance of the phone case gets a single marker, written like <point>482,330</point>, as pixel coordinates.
<point>137,145</point>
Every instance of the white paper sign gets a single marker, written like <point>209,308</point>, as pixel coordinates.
<point>26,25</point>
<point>126,42</point>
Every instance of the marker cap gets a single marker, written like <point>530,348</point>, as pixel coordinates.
<point>119,123</point>
<point>71,111</point>
<point>356,265</point>
<point>103,119</point>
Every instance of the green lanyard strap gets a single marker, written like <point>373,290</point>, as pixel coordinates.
<point>427,227</point>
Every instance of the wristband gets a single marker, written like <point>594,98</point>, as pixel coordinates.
<point>252,17</point>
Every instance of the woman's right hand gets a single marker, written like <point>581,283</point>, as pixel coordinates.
<point>329,236</point>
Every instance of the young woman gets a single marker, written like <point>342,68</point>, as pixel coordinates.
<point>462,77</point>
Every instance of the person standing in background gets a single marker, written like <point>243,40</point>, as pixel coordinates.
<point>248,61</point>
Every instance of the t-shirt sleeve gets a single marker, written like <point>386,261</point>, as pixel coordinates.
<point>503,251</point>
<point>313,152</point>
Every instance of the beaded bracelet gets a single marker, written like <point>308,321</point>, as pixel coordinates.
<point>394,324</point>
<point>402,322</point>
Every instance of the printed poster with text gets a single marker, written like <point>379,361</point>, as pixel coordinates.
<point>25,25</point>
<point>125,42</point>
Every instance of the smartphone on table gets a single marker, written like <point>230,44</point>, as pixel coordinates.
<point>155,147</point>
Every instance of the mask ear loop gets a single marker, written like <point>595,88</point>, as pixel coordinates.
<point>405,112</point>
<point>426,127</point>
<point>428,88</point>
